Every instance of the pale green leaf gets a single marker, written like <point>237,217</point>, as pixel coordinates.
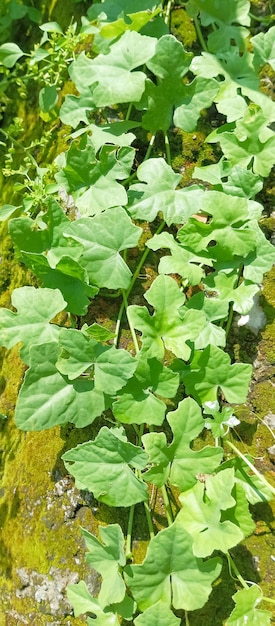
<point>157,615</point>
<point>111,74</point>
<point>196,96</point>
<point>103,466</point>
<point>215,309</point>
<point>102,238</point>
<point>264,48</point>
<point>31,324</point>
<point>246,612</point>
<point>158,193</point>
<point>201,514</point>
<point>215,11</point>
<point>210,370</point>
<point>109,367</point>
<point>51,27</point>
<point>9,54</point>
<point>6,211</point>
<point>170,573</point>
<point>256,489</point>
<point>171,326</point>
<point>224,284</point>
<point>47,398</point>
<point>48,98</point>
<point>107,557</point>
<point>82,602</point>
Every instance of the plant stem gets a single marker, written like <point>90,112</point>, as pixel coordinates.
<point>129,532</point>
<point>167,148</point>
<point>167,505</point>
<point>149,149</point>
<point>134,337</point>
<point>129,111</point>
<point>149,520</point>
<point>265,599</point>
<point>254,470</point>
<point>128,291</point>
<point>186,618</point>
<point>167,12</point>
<point>200,35</point>
<point>236,571</point>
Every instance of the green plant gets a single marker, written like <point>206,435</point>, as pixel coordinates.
<point>173,381</point>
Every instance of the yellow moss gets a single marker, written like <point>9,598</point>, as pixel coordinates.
<point>182,27</point>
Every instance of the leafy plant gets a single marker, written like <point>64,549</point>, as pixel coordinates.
<point>172,382</point>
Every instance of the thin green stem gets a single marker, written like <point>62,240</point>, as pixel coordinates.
<point>253,469</point>
<point>129,111</point>
<point>149,149</point>
<point>134,337</point>
<point>186,618</point>
<point>167,505</point>
<point>129,532</point>
<point>168,11</point>
<point>167,149</point>
<point>265,599</point>
<point>128,291</point>
<point>231,311</point>
<point>233,567</point>
<point>200,35</point>
<point>149,520</point>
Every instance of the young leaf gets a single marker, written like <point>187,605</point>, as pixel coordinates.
<point>171,573</point>
<point>210,370</point>
<point>111,74</point>
<point>171,326</point>
<point>158,193</point>
<point>9,54</point>
<point>182,261</point>
<point>201,514</point>
<point>48,98</point>
<point>110,367</point>
<point>136,403</point>
<point>184,463</point>
<point>245,612</point>
<point>92,182</point>
<point>103,466</point>
<point>30,325</point>
<point>102,238</point>
<point>47,398</point>
<point>107,557</point>
<point>215,309</point>
<point>225,285</point>
<point>256,490</point>
<point>82,602</point>
<point>157,615</point>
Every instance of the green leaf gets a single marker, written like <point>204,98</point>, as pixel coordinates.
<point>9,54</point>
<point>109,367</point>
<point>201,514</point>
<point>47,398</point>
<point>48,97</point>
<point>264,48</point>
<point>107,557</point>
<point>82,602</point>
<point>130,21</point>
<point>171,573</point>
<point>182,261</point>
<point>245,612</point>
<point>171,326</point>
<point>157,615</point>
<point>196,96</point>
<point>103,466</point>
<point>256,490</point>
<point>102,238</point>
<point>137,402</point>
<point>98,332</point>
<point>225,285</point>
<point>158,193</point>
<point>6,211</point>
<point>210,370</point>
<point>92,182</point>
<point>215,309</point>
<point>185,464</point>
<point>111,74</point>
<point>30,325</point>
<point>228,227</point>
<point>220,422</point>
<point>76,109</point>
<point>51,27</point>
<point>215,11</point>
<point>260,260</point>
<point>240,513</point>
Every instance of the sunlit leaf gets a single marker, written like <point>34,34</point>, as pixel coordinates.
<point>246,612</point>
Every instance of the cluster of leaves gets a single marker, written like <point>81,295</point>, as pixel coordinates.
<point>218,253</point>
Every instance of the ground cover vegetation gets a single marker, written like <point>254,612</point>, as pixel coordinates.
<point>84,225</point>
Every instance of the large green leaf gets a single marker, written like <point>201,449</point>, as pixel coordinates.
<point>111,74</point>
<point>109,367</point>
<point>171,326</point>
<point>215,309</point>
<point>179,462</point>
<point>102,238</point>
<point>201,514</point>
<point>197,95</point>
<point>157,615</point>
<point>171,573</point>
<point>137,402</point>
<point>245,612</point>
<point>103,466</point>
<point>225,285</point>
<point>260,260</point>
<point>210,370</point>
<point>107,557</point>
<point>93,182</point>
<point>264,48</point>
<point>31,324</point>
<point>256,489</point>
<point>158,193</point>
<point>47,398</point>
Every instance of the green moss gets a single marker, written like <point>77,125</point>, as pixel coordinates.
<point>182,27</point>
